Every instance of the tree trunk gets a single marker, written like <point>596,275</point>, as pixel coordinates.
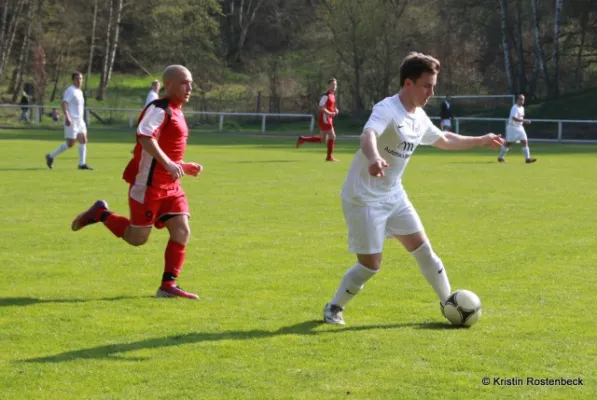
<point>519,43</point>
<point>556,48</point>
<point>584,20</point>
<point>104,74</point>
<point>57,73</point>
<point>23,57</point>
<point>115,40</point>
<point>8,33</point>
<point>539,54</point>
<point>92,45</point>
<point>506,45</point>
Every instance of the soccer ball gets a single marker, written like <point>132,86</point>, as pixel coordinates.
<point>463,308</point>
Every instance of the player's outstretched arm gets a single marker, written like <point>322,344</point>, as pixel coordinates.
<point>150,145</point>
<point>453,141</point>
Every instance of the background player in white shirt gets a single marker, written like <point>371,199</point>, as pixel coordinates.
<point>73,105</point>
<point>515,132</point>
<point>151,96</point>
<point>153,93</point>
<point>374,202</point>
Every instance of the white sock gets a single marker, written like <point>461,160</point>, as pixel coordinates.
<point>352,283</point>
<point>59,149</point>
<point>433,270</point>
<point>503,151</point>
<point>527,152</point>
<point>82,153</point>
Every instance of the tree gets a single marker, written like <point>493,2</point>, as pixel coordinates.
<point>9,29</point>
<point>92,43</point>
<point>539,54</point>
<point>556,48</point>
<point>505,45</point>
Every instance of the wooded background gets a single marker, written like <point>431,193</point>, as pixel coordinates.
<point>287,49</point>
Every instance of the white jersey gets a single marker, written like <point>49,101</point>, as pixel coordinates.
<point>398,135</point>
<point>76,102</point>
<point>151,96</point>
<point>518,112</point>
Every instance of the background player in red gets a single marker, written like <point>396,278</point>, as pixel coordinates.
<point>327,112</point>
<point>155,195</point>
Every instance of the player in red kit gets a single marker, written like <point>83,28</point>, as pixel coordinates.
<point>327,112</point>
<point>155,195</point>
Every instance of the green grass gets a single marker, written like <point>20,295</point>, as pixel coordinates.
<point>268,249</point>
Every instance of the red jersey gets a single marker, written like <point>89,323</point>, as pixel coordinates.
<point>165,122</point>
<point>328,101</point>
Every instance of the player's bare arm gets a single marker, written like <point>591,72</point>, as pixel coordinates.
<point>150,145</point>
<point>453,141</point>
<point>369,148</point>
<point>67,120</point>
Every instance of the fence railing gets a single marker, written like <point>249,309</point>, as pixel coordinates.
<point>549,130</point>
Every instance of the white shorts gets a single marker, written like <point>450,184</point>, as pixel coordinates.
<point>446,123</point>
<point>515,133</point>
<point>368,226</point>
<point>76,126</point>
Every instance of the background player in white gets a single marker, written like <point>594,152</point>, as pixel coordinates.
<point>151,96</point>
<point>515,132</point>
<point>374,202</point>
<point>153,93</point>
<point>73,104</point>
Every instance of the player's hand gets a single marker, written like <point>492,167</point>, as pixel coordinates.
<point>192,169</point>
<point>376,166</point>
<point>526,122</point>
<point>492,141</point>
<point>67,120</point>
<point>175,170</point>
<point>337,112</point>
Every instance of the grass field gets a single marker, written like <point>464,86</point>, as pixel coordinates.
<point>268,248</point>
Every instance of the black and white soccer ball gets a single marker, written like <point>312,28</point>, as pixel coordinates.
<point>462,308</point>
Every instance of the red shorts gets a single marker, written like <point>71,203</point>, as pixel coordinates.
<point>325,127</point>
<point>158,205</point>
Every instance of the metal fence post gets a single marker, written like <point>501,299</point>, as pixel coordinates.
<point>221,125</point>
<point>263,124</point>
<point>87,120</point>
<point>130,120</point>
<point>559,131</point>
<point>457,125</point>
<point>36,115</point>
<point>312,124</point>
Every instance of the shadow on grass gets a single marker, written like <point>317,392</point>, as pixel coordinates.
<point>27,301</point>
<point>115,351</point>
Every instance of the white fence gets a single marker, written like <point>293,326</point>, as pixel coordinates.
<point>559,129</point>
<point>134,113</point>
<point>548,130</point>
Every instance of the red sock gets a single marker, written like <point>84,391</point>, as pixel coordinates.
<point>117,224</point>
<point>330,147</point>
<point>174,257</point>
<point>314,139</point>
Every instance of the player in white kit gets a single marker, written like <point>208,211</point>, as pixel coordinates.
<point>75,129</point>
<point>515,132</point>
<point>374,202</point>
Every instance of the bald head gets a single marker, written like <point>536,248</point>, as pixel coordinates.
<point>178,83</point>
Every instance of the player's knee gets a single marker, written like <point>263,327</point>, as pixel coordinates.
<point>137,240</point>
<point>372,262</point>
<point>181,234</point>
<point>70,143</point>
<point>83,139</point>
